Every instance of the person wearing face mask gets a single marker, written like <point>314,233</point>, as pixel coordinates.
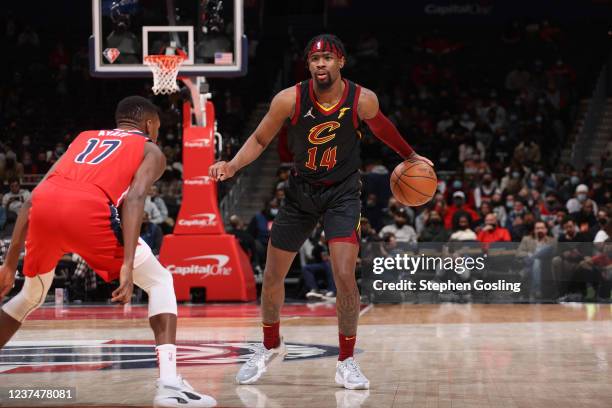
<point>12,168</point>
<point>582,195</point>
<point>492,232</point>
<point>400,228</point>
<point>458,208</point>
<point>434,230</point>
<point>603,218</point>
<point>536,251</point>
<point>260,225</point>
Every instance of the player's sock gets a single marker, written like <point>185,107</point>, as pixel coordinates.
<point>347,346</point>
<point>166,360</point>
<point>271,333</point>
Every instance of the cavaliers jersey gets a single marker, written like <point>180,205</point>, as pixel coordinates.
<point>107,159</point>
<point>325,142</point>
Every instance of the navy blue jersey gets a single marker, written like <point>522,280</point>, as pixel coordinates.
<point>325,142</point>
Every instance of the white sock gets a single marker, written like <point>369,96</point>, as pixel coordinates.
<point>166,360</point>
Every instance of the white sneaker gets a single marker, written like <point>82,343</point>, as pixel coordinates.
<point>349,375</point>
<point>314,294</point>
<point>180,394</point>
<point>261,359</point>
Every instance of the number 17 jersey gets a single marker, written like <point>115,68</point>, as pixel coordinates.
<point>107,159</point>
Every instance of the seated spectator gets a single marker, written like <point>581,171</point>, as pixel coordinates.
<point>151,234</point>
<point>536,249</point>
<point>373,211</point>
<point>574,204</point>
<point>457,209</point>
<point>606,230</point>
<point>246,241</point>
<point>585,219</point>
<point>566,262</point>
<point>14,199</point>
<point>368,233</point>
<point>260,226</point>
<point>152,211</point>
<point>485,190</point>
<point>283,178</point>
<point>492,232</point>
<point>12,169</point>
<point>463,232</point>
<point>400,228</point>
<point>434,230</point>
<point>393,206</point>
<point>595,271</point>
<point>319,262</point>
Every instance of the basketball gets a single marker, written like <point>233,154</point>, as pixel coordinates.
<point>413,182</point>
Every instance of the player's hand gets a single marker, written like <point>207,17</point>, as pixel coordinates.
<point>7,280</point>
<point>415,156</point>
<point>221,171</point>
<point>123,294</point>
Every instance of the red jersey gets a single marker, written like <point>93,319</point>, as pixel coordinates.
<point>107,159</point>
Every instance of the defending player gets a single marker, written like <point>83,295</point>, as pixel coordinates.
<point>325,116</point>
<point>74,209</point>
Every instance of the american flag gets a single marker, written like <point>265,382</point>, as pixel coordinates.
<point>224,58</point>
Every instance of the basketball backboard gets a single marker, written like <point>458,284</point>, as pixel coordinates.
<point>209,33</point>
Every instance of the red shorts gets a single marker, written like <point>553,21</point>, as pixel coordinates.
<point>68,216</point>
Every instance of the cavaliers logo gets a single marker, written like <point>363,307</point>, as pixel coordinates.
<point>322,133</point>
<point>92,355</point>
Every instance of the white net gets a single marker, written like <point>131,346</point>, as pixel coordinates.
<point>165,69</point>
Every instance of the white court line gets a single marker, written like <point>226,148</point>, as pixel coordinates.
<point>367,309</point>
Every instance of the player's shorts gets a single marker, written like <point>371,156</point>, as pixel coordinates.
<point>338,204</point>
<point>66,217</point>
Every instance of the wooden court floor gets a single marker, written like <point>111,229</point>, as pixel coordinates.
<point>447,355</point>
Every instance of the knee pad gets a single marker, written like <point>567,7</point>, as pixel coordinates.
<point>157,281</point>
<point>31,296</point>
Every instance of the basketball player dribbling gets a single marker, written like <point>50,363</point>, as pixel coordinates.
<point>325,114</point>
<point>74,209</point>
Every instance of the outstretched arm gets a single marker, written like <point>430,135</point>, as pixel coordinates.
<point>8,268</point>
<point>132,209</point>
<point>368,111</point>
<point>281,108</point>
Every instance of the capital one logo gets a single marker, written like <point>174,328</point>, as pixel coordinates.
<point>198,181</point>
<point>199,220</point>
<point>207,265</point>
<point>204,142</point>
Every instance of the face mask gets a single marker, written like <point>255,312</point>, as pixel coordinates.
<point>541,234</point>
<point>516,174</point>
<point>574,180</point>
<point>486,182</point>
<point>594,173</point>
<point>400,224</point>
<point>492,225</point>
<point>273,212</point>
<point>509,204</point>
<point>581,197</point>
<point>457,184</point>
<point>602,221</point>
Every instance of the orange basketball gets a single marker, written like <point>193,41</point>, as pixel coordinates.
<point>413,182</point>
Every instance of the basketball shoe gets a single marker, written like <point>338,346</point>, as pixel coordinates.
<point>349,375</point>
<point>259,362</point>
<point>180,394</point>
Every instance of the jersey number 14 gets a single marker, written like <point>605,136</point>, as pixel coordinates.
<point>328,160</point>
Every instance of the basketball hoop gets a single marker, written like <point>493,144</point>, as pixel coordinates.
<point>165,69</point>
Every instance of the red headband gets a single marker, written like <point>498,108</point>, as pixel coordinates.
<point>324,46</point>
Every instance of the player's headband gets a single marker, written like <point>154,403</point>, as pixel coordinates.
<point>325,46</point>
